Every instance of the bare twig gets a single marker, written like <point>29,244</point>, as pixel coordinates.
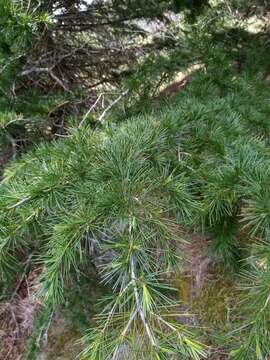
<point>26,267</point>
<point>19,203</point>
<point>111,105</point>
<point>89,111</point>
<point>43,335</point>
<point>62,135</point>
<point>13,145</point>
<point>59,82</point>
<point>35,69</point>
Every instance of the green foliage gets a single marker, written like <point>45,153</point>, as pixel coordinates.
<point>97,188</point>
<point>19,23</point>
<point>24,116</point>
<point>255,325</point>
<point>105,187</point>
<point>122,196</point>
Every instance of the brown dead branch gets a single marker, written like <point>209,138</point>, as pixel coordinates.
<point>17,315</point>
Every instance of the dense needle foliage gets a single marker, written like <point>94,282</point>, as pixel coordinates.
<point>122,195</point>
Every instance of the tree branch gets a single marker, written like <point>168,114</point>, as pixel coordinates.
<point>139,305</point>
<point>111,105</point>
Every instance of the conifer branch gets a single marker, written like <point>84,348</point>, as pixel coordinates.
<point>139,305</point>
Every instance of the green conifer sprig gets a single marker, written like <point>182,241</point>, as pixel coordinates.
<point>129,192</point>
